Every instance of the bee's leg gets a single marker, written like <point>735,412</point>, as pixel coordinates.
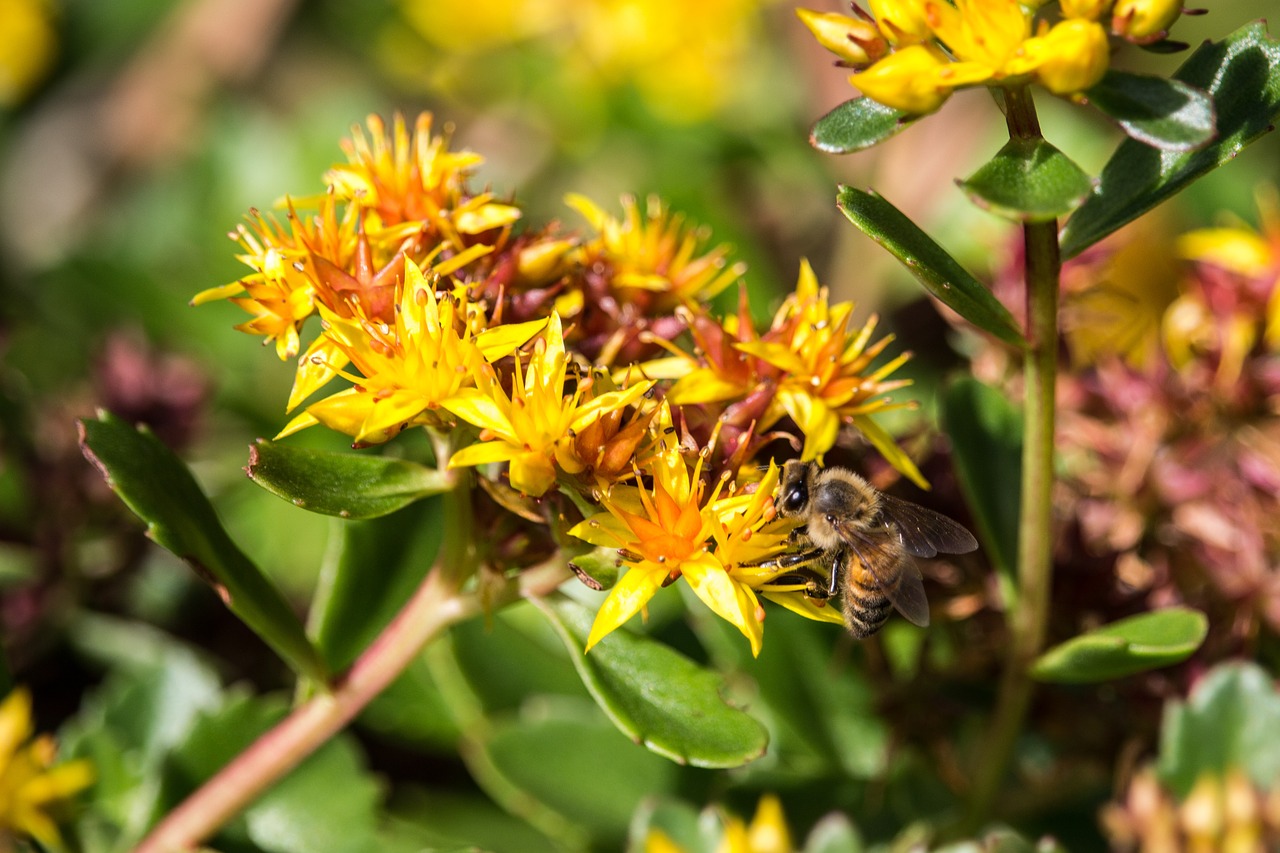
<point>815,583</point>
<point>790,560</point>
<point>837,566</point>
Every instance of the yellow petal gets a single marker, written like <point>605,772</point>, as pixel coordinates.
<point>604,529</point>
<point>483,453</point>
<point>485,218</point>
<point>595,217</point>
<point>501,341</point>
<point>632,592</point>
<point>316,367</point>
<point>908,80</point>
<point>889,449</point>
<point>733,602</point>
<point>608,402</point>
<point>1069,58</point>
<point>779,356</point>
<point>1236,250</point>
<point>856,42</point>
<point>816,420</point>
<point>532,473</point>
<point>798,602</point>
<point>476,407</point>
<point>703,386</point>
<point>298,424</point>
<point>768,832</point>
<point>224,291</point>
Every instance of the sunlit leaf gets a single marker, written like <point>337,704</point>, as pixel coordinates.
<point>1242,75</point>
<point>856,124</point>
<point>932,266</point>
<point>1160,112</point>
<point>1028,181</point>
<point>655,695</point>
<point>1136,644</point>
<point>348,485</point>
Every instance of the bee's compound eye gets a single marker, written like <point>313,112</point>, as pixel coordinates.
<point>794,499</point>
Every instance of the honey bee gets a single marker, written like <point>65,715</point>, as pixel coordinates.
<point>859,543</point>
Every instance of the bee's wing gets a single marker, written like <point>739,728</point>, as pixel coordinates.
<point>901,582</point>
<point>925,533</point>
<point>906,592</point>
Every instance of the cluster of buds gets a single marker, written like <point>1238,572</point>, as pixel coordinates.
<point>912,54</point>
<point>557,364</point>
<point>1221,813</point>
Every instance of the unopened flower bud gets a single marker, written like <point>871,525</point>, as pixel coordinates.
<point>1143,21</point>
<point>856,42</point>
<point>1071,57</point>
<point>1090,10</point>
<point>543,262</point>
<point>901,21</point>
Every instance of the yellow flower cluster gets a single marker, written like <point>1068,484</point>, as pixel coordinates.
<point>535,354</point>
<point>912,54</point>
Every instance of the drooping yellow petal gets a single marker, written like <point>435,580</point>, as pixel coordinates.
<point>483,454</point>
<point>909,79</point>
<point>733,602</point>
<point>628,596</point>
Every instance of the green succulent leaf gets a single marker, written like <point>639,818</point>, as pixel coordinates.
<point>1157,111</point>
<point>1028,181</point>
<point>1242,75</point>
<point>598,569</point>
<point>856,124</point>
<point>985,431</point>
<point>655,695</point>
<point>348,485</point>
<point>1142,642</point>
<point>558,740</point>
<point>932,266</point>
<point>159,488</point>
<point>1228,723</point>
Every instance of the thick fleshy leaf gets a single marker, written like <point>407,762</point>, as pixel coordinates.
<point>598,569</point>
<point>1136,644</point>
<point>348,485</point>
<point>1228,723</point>
<point>155,484</point>
<point>985,431</point>
<point>655,695</point>
<point>1160,112</point>
<point>856,124</point>
<point>932,266</point>
<point>1242,75</point>
<point>822,712</point>
<point>1028,181</point>
<point>533,759</point>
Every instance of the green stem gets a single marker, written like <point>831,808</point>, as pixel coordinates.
<point>1028,618</point>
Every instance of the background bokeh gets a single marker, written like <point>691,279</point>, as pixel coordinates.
<point>135,134</point>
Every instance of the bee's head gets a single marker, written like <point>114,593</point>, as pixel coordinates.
<point>793,493</point>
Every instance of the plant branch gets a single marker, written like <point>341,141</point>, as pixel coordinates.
<point>1029,615</point>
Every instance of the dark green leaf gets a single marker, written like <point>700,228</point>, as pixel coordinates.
<point>1164,113</point>
<point>820,711</point>
<point>1242,74</point>
<point>940,273</point>
<point>348,485</point>
<point>412,711</point>
<point>1228,723</point>
<point>1028,181</point>
<point>985,431</point>
<point>155,484</point>
<point>855,125</point>
<point>655,695</point>
<point>564,756</point>
<point>437,819</point>
<point>368,574</point>
<point>1136,644</point>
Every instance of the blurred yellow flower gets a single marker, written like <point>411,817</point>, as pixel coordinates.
<point>27,46</point>
<point>683,58</point>
<point>30,784</point>
<point>533,427</point>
